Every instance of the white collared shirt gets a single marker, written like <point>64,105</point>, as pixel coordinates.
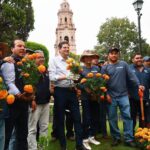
<point>58,67</point>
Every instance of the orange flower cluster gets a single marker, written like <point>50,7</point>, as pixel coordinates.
<point>73,66</point>
<point>4,94</point>
<point>142,136</point>
<point>96,83</point>
<point>30,71</point>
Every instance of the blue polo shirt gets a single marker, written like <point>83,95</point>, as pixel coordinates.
<point>144,79</point>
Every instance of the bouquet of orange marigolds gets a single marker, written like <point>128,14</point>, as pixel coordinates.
<point>74,67</point>
<point>142,137</point>
<point>4,95</point>
<point>96,84</point>
<point>30,72</point>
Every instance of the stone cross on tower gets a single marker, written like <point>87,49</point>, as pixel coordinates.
<point>65,29</point>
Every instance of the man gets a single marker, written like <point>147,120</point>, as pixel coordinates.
<point>146,62</point>
<point>90,108</point>
<point>18,116</point>
<point>64,93</point>
<point>119,72</point>
<point>143,74</point>
<point>39,112</point>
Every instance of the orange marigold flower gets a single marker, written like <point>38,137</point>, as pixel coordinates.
<point>1,80</point>
<point>26,75</point>
<point>90,75</point>
<point>102,98</point>
<point>23,60</point>
<point>28,88</point>
<point>106,77</point>
<point>19,63</point>
<point>69,60</point>
<point>30,57</point>
<point>83,80</point>
<point>41,68</point>
<point>3,94</point>
<point>103,88</point>
<point>10,99</point>
<point>98,75</point>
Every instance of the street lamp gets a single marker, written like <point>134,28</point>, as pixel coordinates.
<point>138,6</point>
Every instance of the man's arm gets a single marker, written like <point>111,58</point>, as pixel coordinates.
<point>8,72</point>
<point>132,77</point>
<point>52,72</point>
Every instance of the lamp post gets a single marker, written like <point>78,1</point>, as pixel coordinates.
<point>138,6</point>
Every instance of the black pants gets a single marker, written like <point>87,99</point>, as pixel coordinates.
<point>63,97</point>
<point>69,124</point>
<point>136,111</point>
<point>102,117</point>
<point>18,119</point>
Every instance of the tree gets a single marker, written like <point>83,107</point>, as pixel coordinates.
<point>36,46</point>
<point>119,32</point>
<point>16,19</point>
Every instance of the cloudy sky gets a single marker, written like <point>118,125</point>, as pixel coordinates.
<point>88,16</point>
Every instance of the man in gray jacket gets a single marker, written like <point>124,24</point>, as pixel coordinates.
<point>119,73</point>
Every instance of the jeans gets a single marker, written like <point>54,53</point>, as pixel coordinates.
<point>124,106</point>
<point>2,133</point>
<point>12,142</point>
<point>62,97</point>
<point>90,110</point>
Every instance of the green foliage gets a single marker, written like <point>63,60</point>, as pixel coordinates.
<point>16,19</point>
<point>74,56</point>
<point>29,67</point>
<point>37,46</point>
<point>122,33</point>
<point>44,143</point>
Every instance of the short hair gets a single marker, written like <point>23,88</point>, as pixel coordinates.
<point>12,44</point>
<point>60,45</point>
<point>39,51</point>
<point>134,54</point>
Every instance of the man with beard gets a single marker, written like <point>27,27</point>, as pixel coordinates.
<point>119,73</point>
<point>143,74</point>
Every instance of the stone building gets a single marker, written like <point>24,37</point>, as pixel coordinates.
<point>65,29</point>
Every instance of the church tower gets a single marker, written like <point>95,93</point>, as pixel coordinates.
<point>65,29</point>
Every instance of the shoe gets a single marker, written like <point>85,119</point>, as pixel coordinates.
<point>82,147</point>
<point>116,142</point>
<point>130,144</point>
<point>93,141</point>
<point>86,144</point>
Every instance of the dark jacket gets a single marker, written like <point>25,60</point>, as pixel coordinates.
<point>43,89</point>
<point>144,79</point>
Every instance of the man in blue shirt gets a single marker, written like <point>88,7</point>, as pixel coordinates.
<point>119,72</point>
<point>143,75</point>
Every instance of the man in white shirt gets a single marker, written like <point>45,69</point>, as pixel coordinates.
<point>65,93</point>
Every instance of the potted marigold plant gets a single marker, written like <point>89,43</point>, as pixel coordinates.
<point>30,72</point>
<point>96,83</point>
<point>142,137</point>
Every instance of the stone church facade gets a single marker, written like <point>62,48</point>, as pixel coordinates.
<point>65,29</point>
